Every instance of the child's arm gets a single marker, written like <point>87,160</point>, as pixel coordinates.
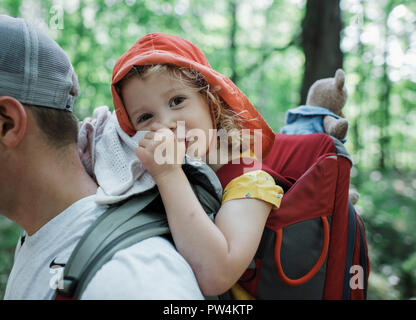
<point>218,253</point>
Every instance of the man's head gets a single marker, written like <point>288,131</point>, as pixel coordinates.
<point>40,173</point>
<point>36,76</point>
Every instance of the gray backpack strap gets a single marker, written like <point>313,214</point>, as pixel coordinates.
<point>117,228</point>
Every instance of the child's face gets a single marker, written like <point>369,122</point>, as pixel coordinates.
<point>159,99</point>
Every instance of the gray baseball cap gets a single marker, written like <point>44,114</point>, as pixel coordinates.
<point>33,68</point>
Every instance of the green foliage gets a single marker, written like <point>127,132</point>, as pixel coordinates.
<point>9,233</point>
<point>387,206</point>
<point>378,42</point>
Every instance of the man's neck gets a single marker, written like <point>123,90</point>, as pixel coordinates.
<point>51,188</point>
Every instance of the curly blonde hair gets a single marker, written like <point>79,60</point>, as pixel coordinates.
<point>225,118</point>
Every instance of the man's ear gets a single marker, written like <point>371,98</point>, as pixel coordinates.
<point>13,121</point>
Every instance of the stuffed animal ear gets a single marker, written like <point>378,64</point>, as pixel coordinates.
<point>339,79</point>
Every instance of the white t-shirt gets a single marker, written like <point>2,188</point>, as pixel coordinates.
<point>150,269</point>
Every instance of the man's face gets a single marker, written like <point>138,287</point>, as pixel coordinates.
<point>7,182</point>
<point>14,131</point>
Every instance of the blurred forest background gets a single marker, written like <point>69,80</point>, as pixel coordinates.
<point>274,50</point>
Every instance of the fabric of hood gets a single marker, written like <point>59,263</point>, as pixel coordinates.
<point>160,48</point>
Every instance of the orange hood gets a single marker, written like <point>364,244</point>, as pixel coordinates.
<point>160,48</point>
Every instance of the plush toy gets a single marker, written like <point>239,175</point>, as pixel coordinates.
<point>322,112</point>
<point>323,109</point>
<point>331,94</point>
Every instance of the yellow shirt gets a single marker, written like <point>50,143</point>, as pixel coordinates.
<point>259,185</point>
<point>256,184</point>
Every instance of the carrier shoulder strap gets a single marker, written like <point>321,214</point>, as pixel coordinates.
<point>117,228</point>
<point>230,170</point>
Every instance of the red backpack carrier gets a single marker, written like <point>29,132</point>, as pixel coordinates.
<point>314,245</point>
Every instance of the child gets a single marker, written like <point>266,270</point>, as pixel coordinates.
<point>162,82</point>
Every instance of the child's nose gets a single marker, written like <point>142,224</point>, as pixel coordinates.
<point>168,120</point>
<point>169,123</point>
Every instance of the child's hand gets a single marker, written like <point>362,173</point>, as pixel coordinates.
<point>161,152</point>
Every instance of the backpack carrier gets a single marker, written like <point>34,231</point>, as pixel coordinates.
<point>314,245</point>
<point>309,249</point>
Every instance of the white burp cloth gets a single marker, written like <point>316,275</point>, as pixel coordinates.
<point>108,154</point>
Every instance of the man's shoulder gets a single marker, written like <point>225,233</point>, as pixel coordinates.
<point>149,269</point>
<point>84,209</point>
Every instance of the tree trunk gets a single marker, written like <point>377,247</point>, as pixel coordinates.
<point>358,122</point>
<point>384,108</point>
<point>262,60</point>
<point>232,5</point>
<point>321,29</point>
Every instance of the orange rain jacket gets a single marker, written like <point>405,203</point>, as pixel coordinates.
<point>160,48</point>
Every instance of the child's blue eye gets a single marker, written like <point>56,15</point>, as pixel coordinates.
<point>176,101</point>
<point>144,117</point>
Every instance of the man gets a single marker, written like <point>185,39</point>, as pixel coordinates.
<point>45,189</point>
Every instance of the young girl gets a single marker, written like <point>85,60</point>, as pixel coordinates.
<point>162,82</point>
